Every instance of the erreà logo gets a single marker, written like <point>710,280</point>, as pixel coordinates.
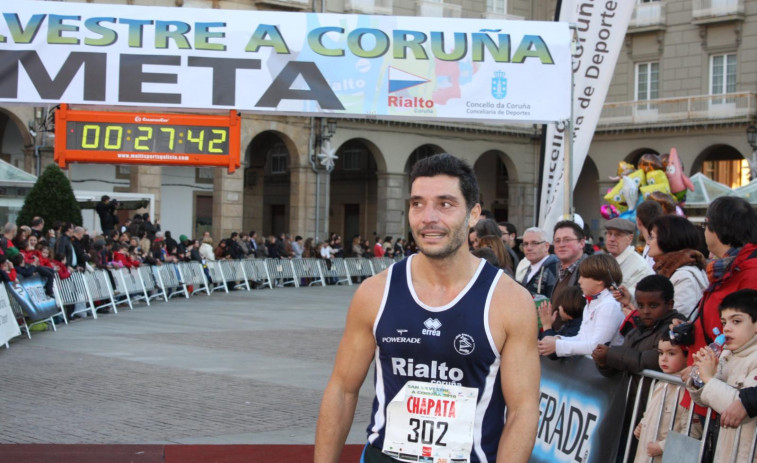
<point>402,80</point>
<point>432,327</point>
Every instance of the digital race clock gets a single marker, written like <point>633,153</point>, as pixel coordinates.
<point>146,138</point>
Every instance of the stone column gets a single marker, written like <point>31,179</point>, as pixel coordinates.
<point>228,200</point>
<point>390,210</point>
<point>302,201</point>
<point>520,205</point>
<point>147,179</point>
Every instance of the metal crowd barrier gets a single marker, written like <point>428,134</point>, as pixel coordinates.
<point>91,292</point>
<point>194,276</point>
<point>218,279</point>
<point>682,445</point>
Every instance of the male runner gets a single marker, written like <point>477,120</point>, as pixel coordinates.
<point>453,340</point>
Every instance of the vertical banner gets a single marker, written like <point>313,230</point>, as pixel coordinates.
<point>8,326</point>
<point>601,28</point>
<point>580,416</point>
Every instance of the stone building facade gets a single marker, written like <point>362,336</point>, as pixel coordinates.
<point>686,78</point>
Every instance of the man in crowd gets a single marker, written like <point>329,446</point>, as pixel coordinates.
<point>569,242</point>
<point>77,243</point>
<point>38,223</point>
<point>509,237</point>
<point>538,272</point>
<point>618,238</point>
<point>106,209</point>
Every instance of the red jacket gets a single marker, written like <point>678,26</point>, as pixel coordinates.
<point>124,260</point>
<point>62,269</point>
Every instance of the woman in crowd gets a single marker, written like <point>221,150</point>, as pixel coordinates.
<point>730,231</point>
<point>496,245</point>
<point>357,248</point>
<point>674,244</point>
<point>308,250</point>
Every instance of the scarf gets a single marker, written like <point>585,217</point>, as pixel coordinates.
<point>717,269</point>
<point>669,262</point>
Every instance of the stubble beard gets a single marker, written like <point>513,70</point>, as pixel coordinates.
<point>457,239</point>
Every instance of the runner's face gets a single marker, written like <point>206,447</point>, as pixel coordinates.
<point>438,215</point>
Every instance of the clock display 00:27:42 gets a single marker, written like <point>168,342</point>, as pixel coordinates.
<point>147,138</point>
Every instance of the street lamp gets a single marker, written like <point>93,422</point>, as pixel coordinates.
<point>751,138</point>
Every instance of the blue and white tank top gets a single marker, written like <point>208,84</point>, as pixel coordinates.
<point>451,344</point>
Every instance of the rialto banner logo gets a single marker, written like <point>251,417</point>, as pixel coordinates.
<point>287,63</point>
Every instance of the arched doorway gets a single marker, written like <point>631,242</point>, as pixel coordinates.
<point>267,185</point>
<point>494,182</point>
<point>13,142</point>
<point>353,196</point>
<point>724,164</point>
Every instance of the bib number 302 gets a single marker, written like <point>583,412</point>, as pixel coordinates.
<point>425,431</point>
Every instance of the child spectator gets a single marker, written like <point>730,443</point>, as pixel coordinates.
<point>570,304</point>
<point>602,316</point>
<point>653,428</point>
<point>654,301</point>
<point>736,369</point>
<point>59,265</point>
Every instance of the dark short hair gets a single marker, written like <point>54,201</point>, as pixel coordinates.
<point>234,235</point>
<point>37,221</point>
<point>487,227</point>
<point>743,300</point>
<point>733,220</point>
<point>647,211</point>
<point>104,198</point>
<point>446,164</point>
<point>571,299</point>
<point>511,230</point>
<point>666,337</point>
<point>674,233</point>
<point>601,267</point>
<point>297,238</point>
<point>657,284</point>
<point>579,232</point>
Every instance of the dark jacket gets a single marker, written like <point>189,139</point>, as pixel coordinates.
<point>65,247</point>
<point>544,281</point>
<point>748,397</point>
<point>639,349</point>
<point>106,212</point>
<point>567,329</point>
<point>81,256</point>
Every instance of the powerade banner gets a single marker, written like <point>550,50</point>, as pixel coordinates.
<point>580,412</point>
<point>285,63</point>
<point>601,27</point>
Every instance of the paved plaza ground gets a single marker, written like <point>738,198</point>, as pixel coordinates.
<point>237,368</point>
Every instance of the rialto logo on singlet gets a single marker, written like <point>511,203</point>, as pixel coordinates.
<point>436,372</point>
<point>432,327</point>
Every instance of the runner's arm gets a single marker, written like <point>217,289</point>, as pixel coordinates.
<point>353,358</point>
<point>520,374</point>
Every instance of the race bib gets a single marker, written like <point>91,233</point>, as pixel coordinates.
<point>431,423</point>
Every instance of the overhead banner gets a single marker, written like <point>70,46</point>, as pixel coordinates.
<point>601,29</point>
<point>284,63</point>
<point>580,416</point>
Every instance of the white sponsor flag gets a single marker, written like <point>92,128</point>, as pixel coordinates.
<point>601,28</point>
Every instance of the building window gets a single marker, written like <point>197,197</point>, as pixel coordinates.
<point>123,172</point>
<point>647,81</point>
<point>352,158</point>
<point>203,175</point>
<point>496,6</point>
<point>277,158</point>
<point>722,74</point>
